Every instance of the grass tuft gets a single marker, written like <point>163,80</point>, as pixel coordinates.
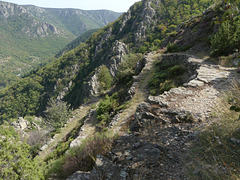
<point>216,152</point>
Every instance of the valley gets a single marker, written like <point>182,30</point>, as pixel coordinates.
<point>30,36</point>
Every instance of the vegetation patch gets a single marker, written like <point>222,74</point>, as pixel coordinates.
<point>109,107</point>
<point>172,48</point>
<point>16,161</point>
<point>81,158</point>
<point>165,77</point>
<point>104,78</point>
<point>127,68</point>
<point>227,39</point>
<point>216,152</point>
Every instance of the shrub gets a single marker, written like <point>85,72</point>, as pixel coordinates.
<point>172,48</point>
<point>82,158</point>
<point>106,106</point>
<point>227,39</point>
<point>127,67</point>
<point>104,78</point>
<point>165,77</point>
<point>57,113</point>
<point>16,161</point>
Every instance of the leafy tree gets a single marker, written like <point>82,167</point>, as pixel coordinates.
<point>104,78</point>
<point>227,39</point>
<point>57,113</point>
<point>16,161</point>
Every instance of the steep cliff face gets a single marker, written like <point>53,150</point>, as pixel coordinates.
<point>26,23</point>
<point>75,21</point>
<point>117,40</point>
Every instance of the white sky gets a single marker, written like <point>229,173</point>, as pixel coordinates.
<point>114,5</point>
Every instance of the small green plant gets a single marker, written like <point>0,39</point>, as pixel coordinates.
<point>216,152</point>
<point>127,67</point>
<point>165,77</point>
<point>82,157</point>
<point>57,113</point>
<point>171,47</point>
<point>104,78</point>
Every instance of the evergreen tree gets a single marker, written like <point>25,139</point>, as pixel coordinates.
<point>16,161</point>
<point>57,113</point>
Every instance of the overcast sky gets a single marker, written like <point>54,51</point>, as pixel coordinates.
<point>114,5</point>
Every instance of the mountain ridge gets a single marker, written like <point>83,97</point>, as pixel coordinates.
<point>29,35</point>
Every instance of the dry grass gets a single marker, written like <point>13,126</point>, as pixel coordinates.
<point>82,157</point>
<point>74,121</point>
<point>216,152</point>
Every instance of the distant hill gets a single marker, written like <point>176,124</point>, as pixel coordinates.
<point>75,43</point>
<point>30,34</point>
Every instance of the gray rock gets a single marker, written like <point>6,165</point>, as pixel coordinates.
<point>44,147</point>
<point>136,145</point>
<point>158,100</point>
<point>20,123</point>
<point>148,153</point>
<point>143,107</point>
<point>140,65</point>
<point>80,175</point>
<point>107,169</point>
<point>234,140</point>
<point>184,117</point>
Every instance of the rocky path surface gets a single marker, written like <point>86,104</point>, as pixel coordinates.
<point>163,126</point>
<point>71,124</point>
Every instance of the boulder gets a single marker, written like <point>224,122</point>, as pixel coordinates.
<point>20,123</point>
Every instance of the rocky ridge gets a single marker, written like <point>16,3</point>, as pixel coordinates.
<point>163,126</point>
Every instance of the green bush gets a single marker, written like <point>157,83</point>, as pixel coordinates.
<point>81,158</point>
<point>57,113</point>
<point>227,39</point>
<point>127,67</point>
<point>104,78</point>
<point>106,106</point>
<point>172,48</point>
<point>16,161</point>
<point>165,77</point>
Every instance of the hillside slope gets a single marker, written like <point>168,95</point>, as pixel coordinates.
<point>30,34</point>
<point>72,77</point>
<point>137,113</point>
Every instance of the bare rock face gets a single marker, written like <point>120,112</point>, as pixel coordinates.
<point>20,123</point>
<point>8,9</point>
<point>34,28</point>
<point>92,86</point>
<point>119,50</point>
<point>105,37</point>
<point>147,19</point>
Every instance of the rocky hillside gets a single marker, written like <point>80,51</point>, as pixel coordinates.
<point>162,127</point>
<point>31,34</point>
<point>138,112</point>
